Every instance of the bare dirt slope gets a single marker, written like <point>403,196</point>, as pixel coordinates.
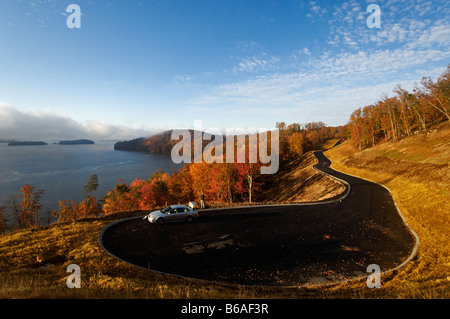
<point>297,181</point>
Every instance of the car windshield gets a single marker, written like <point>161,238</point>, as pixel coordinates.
<point>166,210</point>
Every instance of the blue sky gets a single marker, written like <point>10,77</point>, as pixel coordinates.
<point>139,66</point>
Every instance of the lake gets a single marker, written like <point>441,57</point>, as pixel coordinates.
<point>63,170</point>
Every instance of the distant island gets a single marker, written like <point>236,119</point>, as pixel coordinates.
<point>26,143</point>
<point>76,142</point>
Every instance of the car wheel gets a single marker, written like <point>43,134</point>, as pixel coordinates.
<point>160,221</point>
<point>189,219</point>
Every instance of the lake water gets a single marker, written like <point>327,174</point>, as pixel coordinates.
<point>63,170</point>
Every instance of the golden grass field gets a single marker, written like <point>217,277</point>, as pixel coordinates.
<point>417,171</point>
<point>33,262</point>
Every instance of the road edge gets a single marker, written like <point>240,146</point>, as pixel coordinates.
<point>306,285</point>
<point>408,226</point>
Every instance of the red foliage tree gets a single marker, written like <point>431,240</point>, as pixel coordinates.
<point>247,182</point>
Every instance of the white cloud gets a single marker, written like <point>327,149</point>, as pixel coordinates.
<point>410,24</point>
<point>47,125</point>
<point>330,103</point>
<point>376,63</point>
<point>316,11</point>
<point>437,35</point>
<point>330,86</point>
<point>257,64</point>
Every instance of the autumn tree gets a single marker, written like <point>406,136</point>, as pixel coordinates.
<point>356,127</point>
<point>283,139</point>
<point>228,176</point>
<point>15,210</point>
<point>393,118</point>
<point>119,199</point>
<point>92,184</point>
<point>369,125</point>
<point>69,210</point>
<point>159,180</point>
<point>247,182</point>
<point>296,144</point>
<point>150,194</point>
<point>222,183</point>
<point>30,205</point>
<point>3,224</point>
<point>201,179</point>
<point>437,94</point>
<point>89,207</point>
<point>416,109</point>
<point>180,186</point>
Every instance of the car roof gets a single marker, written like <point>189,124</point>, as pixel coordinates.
<point>179,206</point>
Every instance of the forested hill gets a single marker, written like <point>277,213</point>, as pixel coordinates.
<point>132,145</point>
<point>161,143</point>
<point>294,139</point>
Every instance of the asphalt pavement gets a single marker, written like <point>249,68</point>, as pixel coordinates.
<point>276,245</point>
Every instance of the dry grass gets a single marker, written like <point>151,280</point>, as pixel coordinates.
<point>33,263</point>
<point>417,171</point>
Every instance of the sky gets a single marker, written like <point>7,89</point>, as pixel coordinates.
<point>134,68</point>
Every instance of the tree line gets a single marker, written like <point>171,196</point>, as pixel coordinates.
<point>219,182</point>
<point>25,208</point>
<point>297,139</point>
<point>404,114</point>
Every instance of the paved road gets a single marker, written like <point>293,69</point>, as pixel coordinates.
<point>274,245</point>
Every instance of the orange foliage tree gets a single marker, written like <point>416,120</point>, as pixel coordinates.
<point>30,206</point>
<point>69,210</point>
<point>403,114</point>
<point>180,186</point>
<point>89,207</point>
<point>296,144</point>
<point>119,199</point>
<point>201,175</point>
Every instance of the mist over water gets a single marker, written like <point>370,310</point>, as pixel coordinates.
<point>63,170</point>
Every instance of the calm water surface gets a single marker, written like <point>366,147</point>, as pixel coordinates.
<point>63,170</point>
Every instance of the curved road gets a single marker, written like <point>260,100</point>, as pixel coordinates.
<point>278,245</point>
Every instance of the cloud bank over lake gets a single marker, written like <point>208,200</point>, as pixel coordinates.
<point>33,125</point>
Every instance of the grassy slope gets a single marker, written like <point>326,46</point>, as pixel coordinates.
<point>26,253</point>
<point>417,171</point>
<point>33,263</point>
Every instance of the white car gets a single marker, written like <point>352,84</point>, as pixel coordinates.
<point>172,213</point>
